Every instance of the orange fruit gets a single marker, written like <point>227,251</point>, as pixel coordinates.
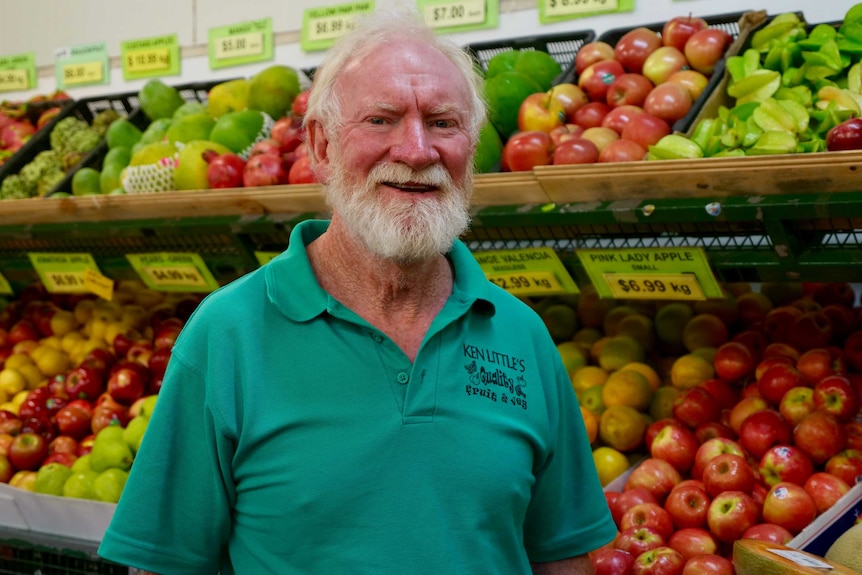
<point>647,371</point>
<point>587,376</point>
<point>610,463</point>
<point>704,330</point>
<point>627,387</point>
<point>661,406</point>
<point>591,423</point>
<point>690,370</point>
<point>591,398</point>
<point>619,351</point>
<point>622,427</point>
<point>596,348</point>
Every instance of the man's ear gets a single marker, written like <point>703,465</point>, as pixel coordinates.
<point>318,146</point>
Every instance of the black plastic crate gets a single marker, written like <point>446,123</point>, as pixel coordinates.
<point>29,150</point>
<point>37,560</point>
<point>127,105</point>
<point>562,47</point>
<point>727,22</point>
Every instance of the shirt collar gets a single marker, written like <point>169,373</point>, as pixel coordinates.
<point>292,287</point>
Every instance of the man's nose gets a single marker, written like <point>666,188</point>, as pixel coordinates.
<point>414,145</point>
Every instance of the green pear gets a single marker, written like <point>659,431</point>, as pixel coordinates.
<point>134,431</point>
<point>82,464</point>
<point>50,478</point>
<point>148,405</point>
<point>80,485</point>
<point>109,484</point>
<point>110,450</point>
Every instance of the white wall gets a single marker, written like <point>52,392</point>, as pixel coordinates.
<point>45,25</point>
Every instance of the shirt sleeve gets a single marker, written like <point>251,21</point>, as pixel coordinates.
<point>174,513</point>
<point>568,513</point>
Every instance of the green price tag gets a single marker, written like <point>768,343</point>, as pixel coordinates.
<point>18,72</point>
<point>173,272</point>
<point>460,15</point>
<point>150,57</point>
<point>5,287</point>
<point>651,273</point>
<point>82,66</point>
<point>63,273</point>
<point>240,44</point>
<point>527,272</point>
<point>321,27</point>
<point>263,258</point>
<point>558,10</point>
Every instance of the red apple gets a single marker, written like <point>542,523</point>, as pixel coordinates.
<point>66,459</point>
<point>796,404</point>
<point>85,445</point>
<point>656,476</point>
<point>836,396</point>
<point>622,151</point>
<point>778,380</point>
<point>825,489</point>
<point>839,293</point>
<point>525,150</point>
<point>845,465</point>
<point>84,383</point>
<point>687,505</point>
<point>633,48</point>
<point>628,499</point>
<point>712,429</point>
<point>711,449</point>
<point>591,115</point>
<point>754,340</point>
<point>63,444</point>
<point>726,394</point>
<point>842,318</point>
<point>107,414</point>
<point>596,79</point>
<point>790,506</point>
<point>662,64</point>
<point>575,151</point>
<point>811,330</point>
<point>853,432</point>
<point>762,430</point>
<point>540,112</point>
<point>731,514</point>
<point>592,52</point>
<point>768,532</point>
<point>650,515</point>
<point>675,444</point>
<point>817,363</point>
<point>10,423</point>
<point>645,129</point>
<point>777,326</point>
<point>126,385</point>
<point>7,471</point>
<point>565,132</point>
<point>853,350</point>
<point>660,561</point>
<point>708,565</point>
<point>691,80</point>
<point>745,408</point>
<point>570,97</point>
<point>785,463</point>
<point>618,118</point>
<point>22,330</point>
<point>820,435</point>
<point>693,541</point>
<point>706,47</point>
<point>679,29</point>
<point>777,348</point>
<point>696,406</point>
<point>629,88</point>
<point>609,561</point>
<point>27,451</point>
<point>601,137</point>
<point>733,361</point>
<point>727,472</point>
<point>769,362</point>
<point>638,539</point>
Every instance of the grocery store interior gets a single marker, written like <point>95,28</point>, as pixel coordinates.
<point>709,258</point>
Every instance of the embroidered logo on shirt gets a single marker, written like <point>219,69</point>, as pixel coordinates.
<point>496,376</point>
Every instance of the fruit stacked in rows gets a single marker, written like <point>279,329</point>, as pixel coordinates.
<point>627,97</point>
<point>19,121</point>
<point>745,413</point>
<point>79,378</point>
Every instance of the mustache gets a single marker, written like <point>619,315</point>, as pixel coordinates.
<point>434,175</point>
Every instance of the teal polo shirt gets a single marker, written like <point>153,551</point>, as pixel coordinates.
<point>292,437</point>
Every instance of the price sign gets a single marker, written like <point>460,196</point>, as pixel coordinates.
<point>240,44</point>
<point>18,72</point>
<point>81,65</point>
<point>5,287</point>
<point>654,286</point>
<point>557,10</point>
<point>263,258</point>
<point>461,15</point>
<point>63,273</point>
<point>150,57</point>
<point>322,26</point>
<point>176,272</point>
<point>98,284</point>
<point>527,272</point>
<point>651,273</point>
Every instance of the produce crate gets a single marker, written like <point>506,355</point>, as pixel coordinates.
<point>32,147</point>
<point>737,24</point>
<point>562,47</point>
<point>23,559</point>
<point>128,105</point>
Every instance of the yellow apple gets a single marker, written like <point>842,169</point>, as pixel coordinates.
<point>11,382</point>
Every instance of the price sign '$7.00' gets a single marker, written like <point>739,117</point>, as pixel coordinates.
<point>460,13</point>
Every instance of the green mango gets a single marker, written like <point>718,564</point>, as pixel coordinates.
<point>191,170</point>
<point>86,182</point>
<point>122,133</point>
<point>190,127</point>
<point>230,96</point>
<point>158,100</point>
<point>239,130</point>
<point>489,151</point>
<point>273,89</point>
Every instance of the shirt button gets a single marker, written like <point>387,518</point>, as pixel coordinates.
<point>403,377</point>
<point>378,338</point>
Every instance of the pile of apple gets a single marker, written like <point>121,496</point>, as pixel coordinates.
<point>72,366</point>
<point>627,97</point>
<point>758,448</point>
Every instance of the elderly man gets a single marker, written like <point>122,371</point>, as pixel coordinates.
<point>367,403</point>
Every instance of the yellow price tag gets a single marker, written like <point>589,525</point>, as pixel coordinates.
<point>330,27</point>
<point>568,7</point>
<point>654,286</point>
<point>148,60</point>
<point>83,73</point>
<point>239,45</point>
<point>98,284</point>
<point>458,13</point>
<point>173,276</point>
<point>527,283</point>
<point>14,80</point>
<point>64,281</point>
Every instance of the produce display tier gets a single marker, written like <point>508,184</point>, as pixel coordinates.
<point>780,218</point>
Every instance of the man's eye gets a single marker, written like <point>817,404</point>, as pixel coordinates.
<point>377,121</point>
<point>443,123</point>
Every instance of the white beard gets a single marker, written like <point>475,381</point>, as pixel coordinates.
<point>403,229</point>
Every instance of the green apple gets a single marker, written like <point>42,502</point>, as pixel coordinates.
<point>50,478</point>
<point>80,485</point>
<point>109,484</point>
<point>110,450</point>
<point>134,431</point>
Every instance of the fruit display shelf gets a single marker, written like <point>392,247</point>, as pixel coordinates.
<point>778,218</point>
